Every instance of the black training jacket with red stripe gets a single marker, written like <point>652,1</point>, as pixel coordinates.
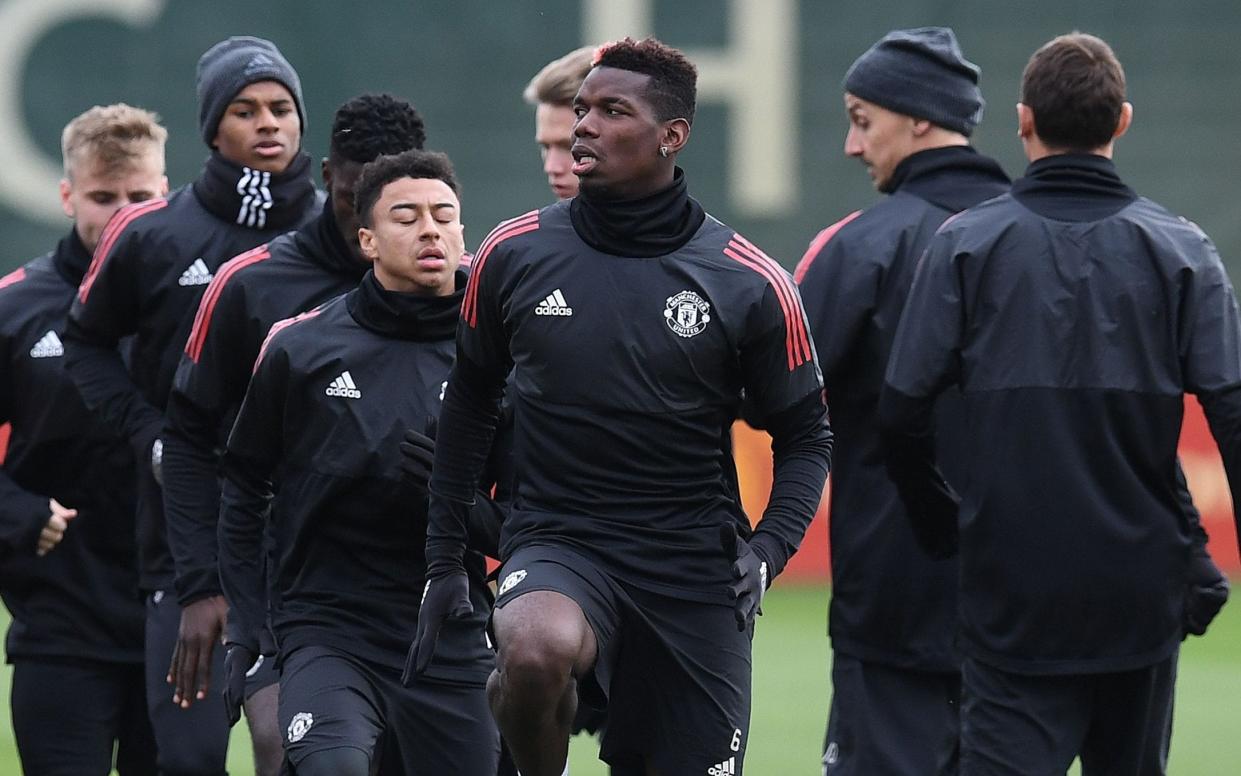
<point>80,600</point>
<point>289,275</point>
<point>628,375</point>
<point>153,263</point>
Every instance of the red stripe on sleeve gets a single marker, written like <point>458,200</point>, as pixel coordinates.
<point>817,245</point>
<point>528,222</point>
<point>796,336</point>
<point>206,307</point>
<point>278,327</point>
<point>16,276</point>
<point>111,233</point>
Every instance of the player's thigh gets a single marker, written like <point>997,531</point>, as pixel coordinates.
<point>436,727</point>
<point>327,701</point>
<point>65,717</point>
<point>1018,725</point>
<point>681,690</point>
<point>551,603</point>
<point>190,741</point>
<point>1131,730</point>
<point>891,721</point>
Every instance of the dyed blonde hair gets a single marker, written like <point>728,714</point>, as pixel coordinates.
<point>557,83</point>
<point>111,136</point>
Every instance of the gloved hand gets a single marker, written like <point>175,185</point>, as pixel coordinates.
<point>238,660</point>
<point>749,576</point>
<point>1206,590</point>
<point>417,455</point>
<point>444,596</point>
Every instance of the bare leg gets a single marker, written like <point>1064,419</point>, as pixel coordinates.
<point>544,645</point>
<point>265,730</point>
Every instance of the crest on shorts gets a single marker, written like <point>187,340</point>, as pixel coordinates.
<point>300,726</point>
<point>687,314</point>
<point>511,581</point>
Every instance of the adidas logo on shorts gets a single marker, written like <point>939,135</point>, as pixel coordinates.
<point>197,275</point>
<point>554,304</point>
<point>48,346</point>
<point>344,387</point>
<point>726,768</point>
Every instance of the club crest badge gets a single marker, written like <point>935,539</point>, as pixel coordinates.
<point>300,726</point>
<point>687,314</point>
<point>511,581</point>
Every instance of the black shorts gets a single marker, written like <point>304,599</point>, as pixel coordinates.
<point>887,720</point>
<point>1013,724</point>
<point>262,674</point>
<point>329,699</point>
<point>675,674</point>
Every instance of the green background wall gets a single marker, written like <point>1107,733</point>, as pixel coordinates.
<point>464,63</point>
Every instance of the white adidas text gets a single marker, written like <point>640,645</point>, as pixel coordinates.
<point>554,304</point>
<point>344,387</point>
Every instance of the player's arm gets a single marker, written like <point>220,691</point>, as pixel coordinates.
<point>783,380</point>
<point>25,517</point>
<point>210,380</point>
<point>1211,366</point>
<point>468,418</point>
<point>105,310</point>
<point>924,359</point>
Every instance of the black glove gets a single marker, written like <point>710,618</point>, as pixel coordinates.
<point>749,575</point>
<point>1206,590</point>
<point>238,660</point>
<point>417,454</point>
<point>443,597</point>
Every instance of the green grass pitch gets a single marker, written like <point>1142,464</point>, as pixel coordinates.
<point>791,660</point>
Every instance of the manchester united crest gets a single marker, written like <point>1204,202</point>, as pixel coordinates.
<point>687,314</point>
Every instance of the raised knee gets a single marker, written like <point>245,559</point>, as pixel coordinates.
<point>538,662</point>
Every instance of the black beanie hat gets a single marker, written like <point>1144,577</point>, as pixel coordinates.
<point>230,66</point>
<point>920,73</point>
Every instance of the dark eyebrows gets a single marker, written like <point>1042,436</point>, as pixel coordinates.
<point>250,101</point>
<point>414,206</point>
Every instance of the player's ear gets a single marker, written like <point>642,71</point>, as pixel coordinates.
<point>675,135</point>
<point>66,204</point>
<point>366,239</point>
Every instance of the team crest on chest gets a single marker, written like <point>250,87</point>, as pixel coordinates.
<point>687,314</point>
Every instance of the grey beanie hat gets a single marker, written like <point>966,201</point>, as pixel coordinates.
<point>920,73</point>
<point>230,66</point>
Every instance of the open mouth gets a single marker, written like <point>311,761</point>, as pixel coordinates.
<point>584,160</point>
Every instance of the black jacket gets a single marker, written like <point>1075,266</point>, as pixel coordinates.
<point>152,265</point>
<point>1073,315</point>
<point>289,275</point>
<point>321,425</point>
<point>890,603</point>
<point>81,600</point>
<point>629,370</point>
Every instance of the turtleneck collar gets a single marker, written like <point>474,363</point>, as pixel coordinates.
<point>1073,187</point>
<point>654,225</point>
<point>71,257</point>
<point>258,200</point>
<point>950,177</point>
<point>330,249</point>
<point>406,316</point>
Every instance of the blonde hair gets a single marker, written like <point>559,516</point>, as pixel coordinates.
<point>111,136</point>
<point>557,83</point>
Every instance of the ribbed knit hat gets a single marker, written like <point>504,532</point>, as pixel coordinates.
<point>230,66</point>
<point>920,73</point>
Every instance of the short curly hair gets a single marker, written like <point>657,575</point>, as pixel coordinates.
<point>674,79</point>
<point>373,125</point>
<point>408,164</point>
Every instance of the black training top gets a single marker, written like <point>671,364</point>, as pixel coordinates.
<point>891,603</point>
<point>148,274</point>
<point>81,600</point>
<point>289,275</point>
<point>1073,315</point>
<point>332,395</point>
<point>629,371</point>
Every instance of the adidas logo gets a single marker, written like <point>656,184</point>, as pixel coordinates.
<point>726,768</point>
<point>259,62</point>
<point>344,387</point>
<point>48,347</point>
<point>554,304</point>
<point>196,275</point>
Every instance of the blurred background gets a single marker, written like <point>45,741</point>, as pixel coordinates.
<point>765,157</point>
